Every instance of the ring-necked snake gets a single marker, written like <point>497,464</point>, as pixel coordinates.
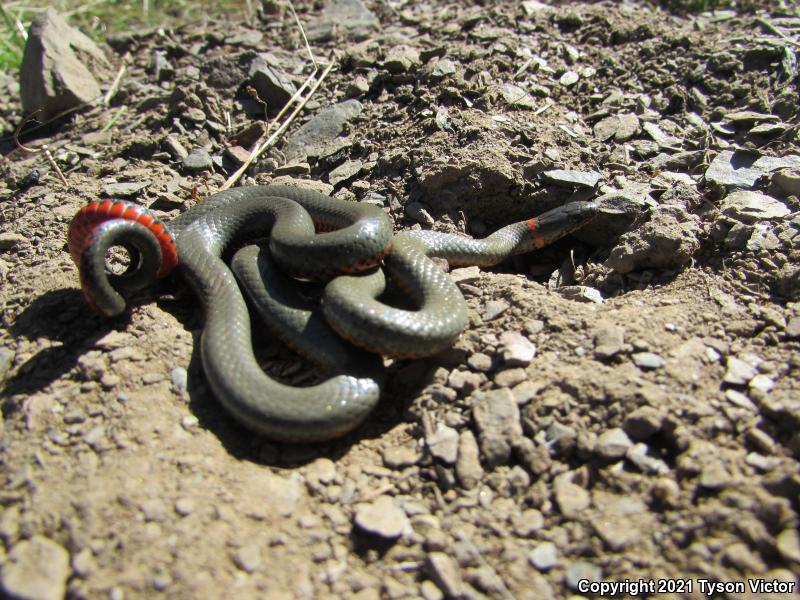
<point>313,237</point>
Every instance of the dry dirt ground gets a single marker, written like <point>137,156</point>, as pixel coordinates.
<point>654,433</point>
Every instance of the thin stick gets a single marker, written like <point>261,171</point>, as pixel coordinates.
<point>43,150</point>
<point>271,139</point>
<point>112,91</point>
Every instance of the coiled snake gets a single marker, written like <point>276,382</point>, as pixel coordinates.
<point>311,236</point>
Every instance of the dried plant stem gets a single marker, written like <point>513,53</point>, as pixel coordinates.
<point>271,139</point>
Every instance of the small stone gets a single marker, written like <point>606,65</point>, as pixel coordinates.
<point>648,360</point>
<point>471,275</point>
<point>465,381</point>
<point>608,341</point>
<point>793,328</point>
<point>175,148</point>
<point>248,558</point>
<point>10,240</point>
<point>544,556</point>
<point>494,308</point>
<point>401,58</point>
<point>445,573</point>
<point>509,378</point>
<point>6,361</point>
<point>419,213</point>
<point>400,457</point>
<point>198,160</point>
<point>572,179</point>
<point>738,371</point>
<point>497,418</point>
<point>429,591</point>
<point>189,422</point>
<point>788,543</point>
<point>518,479</point>
<point>296,168</point>
<point>667,491</point>
<point>714,476</point>
<point>151,378</point>
<point>571,499</point>
<point>383,518</point>
<point>762,383</point>
<point>644,422</point>
<point>37,568</point>
<point>739,399</point>
<point>273,87</point>
<point>344,172</point>
<point>184,506</point>
<point>517,97</point>
<point>443,444</point>
<point>126,189</point>
<point>742,169</point>
<point>638,455</point>
<point>788,181</point>
<point>468,464</point>
<point>83,563</point>
<point>442,68</point>
<point>750,207</point>
<point>569,78</point>
<point>480,362</point>
<point>613,443</point>
<point>516,349</point>
<point>236,154</point>
<point>320,136</point>
<point>180,379</point>
<point>761,440</point>
<point>581,293</point>
<point>359,86</point>
<point>581,570</point>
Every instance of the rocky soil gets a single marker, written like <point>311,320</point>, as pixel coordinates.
<point>625,404</point>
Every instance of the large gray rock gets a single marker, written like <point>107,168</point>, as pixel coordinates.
<point>60,67</point>
<point>742,169</point>
<point>348,18</point>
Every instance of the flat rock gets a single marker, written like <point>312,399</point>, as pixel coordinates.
<point>273,87</point>
<point>125,189</point>
<point>496,416</point>
<point>348,18</point>
<point>648,360</point>
<point>445,573</point>
<point>738,372</point>
<point>345,172</point>
<point>742,169</point>
<point>749,207</point>
<point>620,127</point>
<point>569,178</point>
<point>60,67</point>
<point>608,341</point>
<point>613,443</point>
<point>580,570</point>
<point>383,518</point>
<point>320,136</point>
<point>544,556</point>
<point>571,498</point>
<point>443,444</point>
<point>36,569</point>
<point>516,96</point>
<point>516,349</point>
<point>198,160</point>
<point>401,58</point>
<point>468,464</point>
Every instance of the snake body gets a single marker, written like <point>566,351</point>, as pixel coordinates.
<point>354,239</point>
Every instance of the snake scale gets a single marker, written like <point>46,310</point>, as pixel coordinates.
<point>313,237</point>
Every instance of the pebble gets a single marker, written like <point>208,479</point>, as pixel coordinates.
<point>446,574</point>
<point>184,506</point>
<point>189,422</point>
<point>273,87</point>
<point>494,308</point>
<point>569,78</point>
<point>638,455</point>
<point>516,349</point>
<point>667,491</point>
<point>544,556</point>
<point>620,127</point>
<point>581,293</point>
<point>750,207</point>
<point>568,178</point>
<point>401,58</point>
<point>518,479</point>
<point>508,378</point>
<point>10,240</point>
<point>516,96</point>
<point>762,383</point>
<point>151,378</point>
<point>382,517</point>
<point>6,361</point>
<point>465,274</point>
<point>739,399</point>
<point>788,181</point>
<point>248,558</point>
<point>643,422</point>
<point>788,543</point>
<point>613,443</point>
<point>738,371</point>
<point>608,341</point>
<point>761,440</point>
<point>480,362</point>
<point>198,160</point>
<point>714,476</point>
<point>344,172</point>
<point>648,360</point>
<point>793,328</point>
<point>443,444</point>
<point>125,189</point>
<point>465,382</point>
<point>527,522</point>
<point>419,213</point>
<point>496,416</point>
<point>581,570</point>
<point>320,135</point>
<point>442,68</point>
<point>571,499</point>
<point>36,569</point>
<point>429,591</point>
<point>468,464</point>
<point>175,148</point>
<point>180,379</point>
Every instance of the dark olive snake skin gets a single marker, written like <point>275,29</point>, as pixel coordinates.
<point>355,239</point>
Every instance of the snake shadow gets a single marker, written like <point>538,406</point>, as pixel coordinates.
<point>65,328</point>
<point>243,444</point>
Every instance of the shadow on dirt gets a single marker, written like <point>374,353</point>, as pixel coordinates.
<point>66,327</point>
